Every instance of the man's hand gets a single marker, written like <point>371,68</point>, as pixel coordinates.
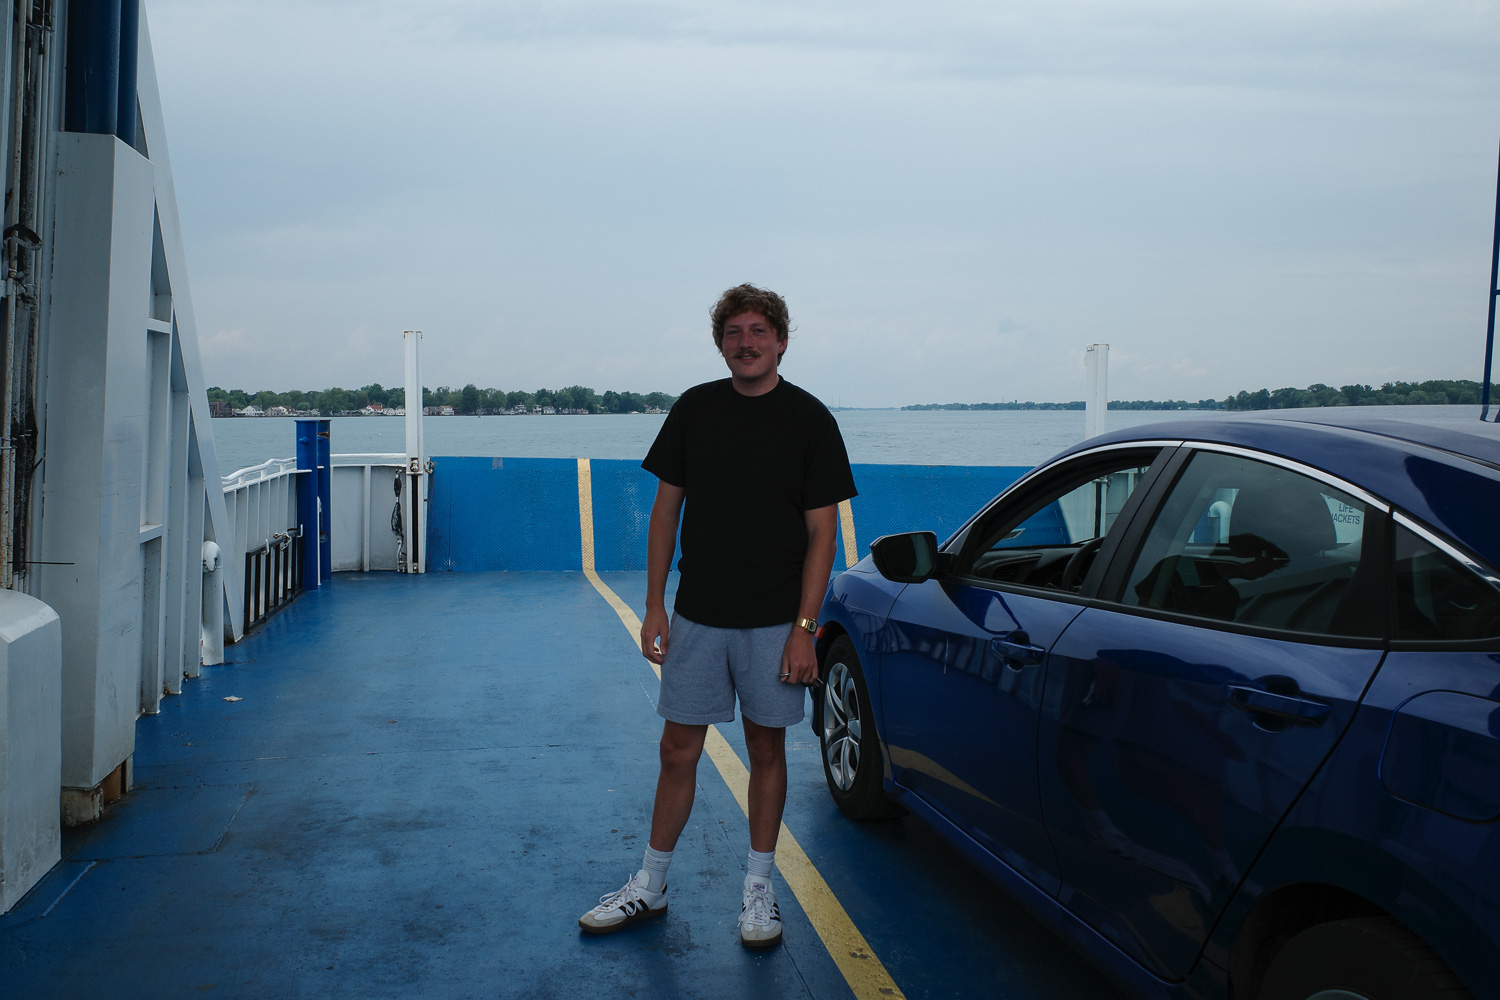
<point>661,541</point>
<point>799,661</point>
<point>653,630</point>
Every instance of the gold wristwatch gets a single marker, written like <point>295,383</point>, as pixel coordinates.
<point>809,624</point>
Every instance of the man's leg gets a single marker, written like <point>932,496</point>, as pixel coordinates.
<point>760,917</point>
<point>644,895</point>
<point>681,746</point>
<point>767,748</point>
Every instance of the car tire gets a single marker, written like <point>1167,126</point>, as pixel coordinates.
<point>851,750</point>
<point>1364,958</point>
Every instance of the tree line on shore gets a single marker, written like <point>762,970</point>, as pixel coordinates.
<point>1433,391</point>
<point>578,398</point>
<point>469,399</point>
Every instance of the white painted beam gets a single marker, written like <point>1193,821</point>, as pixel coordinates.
<point>92,471</point>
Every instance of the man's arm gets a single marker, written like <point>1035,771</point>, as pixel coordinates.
<point>799,662</point>
<point>661,543</point>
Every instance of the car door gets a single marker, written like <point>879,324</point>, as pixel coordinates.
<point>964,655</point>
<point>1416,774</point>
<point>1186,709</point>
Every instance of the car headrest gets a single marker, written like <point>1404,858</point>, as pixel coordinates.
<point>1290,514</point>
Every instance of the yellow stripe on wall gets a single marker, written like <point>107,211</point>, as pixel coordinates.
<point>846,525</point>
<point>586,542</point>
<point>586,514</point>
<point>851,953</point>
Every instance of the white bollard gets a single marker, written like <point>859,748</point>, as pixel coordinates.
<point>211,642</point>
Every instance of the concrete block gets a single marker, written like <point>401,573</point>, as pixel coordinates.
<point>81,806</point>
<point>30,743</point>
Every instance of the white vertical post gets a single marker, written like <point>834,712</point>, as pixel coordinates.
<point>364,517</point>
<point>413,557</point>
<point>1096,381</point>
<point>413,340</point>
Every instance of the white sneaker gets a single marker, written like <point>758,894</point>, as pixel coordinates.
<point>760,918</point>
<point>631,903</point>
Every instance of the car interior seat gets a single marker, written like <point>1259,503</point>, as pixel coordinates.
<point>1286,528</point>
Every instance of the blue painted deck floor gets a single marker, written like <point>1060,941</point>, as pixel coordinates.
<point>425,782</point>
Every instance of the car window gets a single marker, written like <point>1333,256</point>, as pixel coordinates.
<point>1049,537</point>
<point>1249,542</point>
<point>1437,597</point>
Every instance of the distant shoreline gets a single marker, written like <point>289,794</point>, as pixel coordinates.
<point>1433,392</point>
<point>1127,406</point>
<point>429,416</point>
<point>580,400</point>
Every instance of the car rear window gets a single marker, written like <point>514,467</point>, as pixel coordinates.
<point>1439,598</point>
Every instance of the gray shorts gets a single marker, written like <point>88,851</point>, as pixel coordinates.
<point>706,667</point>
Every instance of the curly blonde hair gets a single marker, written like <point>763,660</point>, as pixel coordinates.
<point>749,298</point>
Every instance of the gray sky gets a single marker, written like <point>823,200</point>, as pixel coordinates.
<point>955,196</point>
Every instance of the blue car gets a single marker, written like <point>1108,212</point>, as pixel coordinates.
<point>1219,700</point>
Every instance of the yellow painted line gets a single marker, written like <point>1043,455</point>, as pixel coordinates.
<point>861,969</point>
<point>586,541</point>
<point>846,525</point>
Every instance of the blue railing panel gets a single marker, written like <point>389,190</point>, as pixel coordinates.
<point>522,513</point>
<point>936,498</point>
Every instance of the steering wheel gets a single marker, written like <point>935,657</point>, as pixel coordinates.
<point>1078,564</point>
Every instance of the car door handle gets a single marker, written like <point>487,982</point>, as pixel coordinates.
<point>1288,709</point>
<point>1016,650</point>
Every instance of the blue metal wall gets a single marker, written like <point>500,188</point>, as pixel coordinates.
<point>503,514</point>
<point>623,492</point>
<point>936,498</point>
<point>523,513</point>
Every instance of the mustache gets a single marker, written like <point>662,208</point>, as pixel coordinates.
<point>747,353</point>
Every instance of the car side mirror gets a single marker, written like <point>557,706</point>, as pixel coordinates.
<point>910,557</point>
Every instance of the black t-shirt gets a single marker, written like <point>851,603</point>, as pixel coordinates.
<point>751,465</point>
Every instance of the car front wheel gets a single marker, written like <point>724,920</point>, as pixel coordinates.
<point>851,750</point>
<point>1364,958</point>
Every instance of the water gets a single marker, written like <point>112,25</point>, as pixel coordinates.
<point>894,437</point>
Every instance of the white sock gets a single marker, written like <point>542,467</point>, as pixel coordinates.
<point>760,865</point>
<point>655,867</point>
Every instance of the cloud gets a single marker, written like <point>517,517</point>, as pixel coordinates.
<point>224,345</point>
<point>1230,195</point>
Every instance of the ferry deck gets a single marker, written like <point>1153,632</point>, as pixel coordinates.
<point>413,785</point>
<point>403,783</point>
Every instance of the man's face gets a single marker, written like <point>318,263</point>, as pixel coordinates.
<point>750,347</point>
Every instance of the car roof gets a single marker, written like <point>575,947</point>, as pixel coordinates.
<point>1441,468</point>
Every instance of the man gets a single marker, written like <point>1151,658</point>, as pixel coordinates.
<point>756,468</point>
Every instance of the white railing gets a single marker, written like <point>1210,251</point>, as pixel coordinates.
<point>269,469</point>
<point>259,571</point>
